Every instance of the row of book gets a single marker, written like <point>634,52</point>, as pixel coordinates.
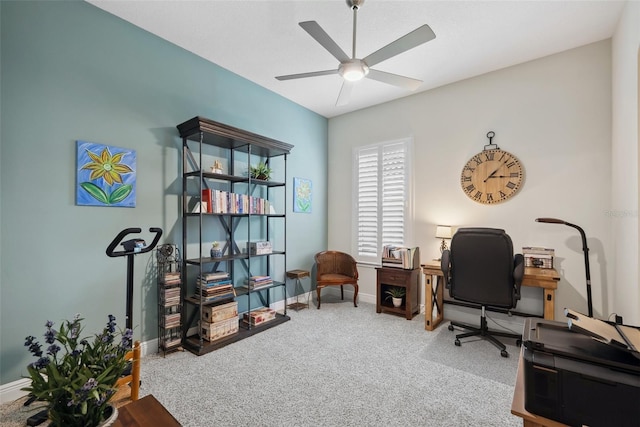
<point>220,201</point>
<point>400,257</point>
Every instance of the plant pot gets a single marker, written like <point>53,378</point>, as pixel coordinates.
<point>216,253</point>
<point>111,419</point>
<point>397,302</point>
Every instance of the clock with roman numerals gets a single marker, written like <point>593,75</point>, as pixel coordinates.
<point>492,176</point>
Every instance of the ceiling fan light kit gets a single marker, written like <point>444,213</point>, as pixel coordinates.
<point>353,69</point>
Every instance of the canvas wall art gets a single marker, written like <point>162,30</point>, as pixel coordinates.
<point>105,175</point>
<point>302,195</point>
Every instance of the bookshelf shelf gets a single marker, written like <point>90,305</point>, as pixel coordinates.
<point>232,208</point>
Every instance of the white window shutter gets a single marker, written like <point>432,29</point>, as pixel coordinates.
<point>367,210</point>
<point>381,191</point>
<point>393,193</point>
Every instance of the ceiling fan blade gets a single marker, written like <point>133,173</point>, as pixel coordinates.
<point>345,93</point>
<point>415,38</point>
<point>316,31</point>
<point>394,79</point>
<point>305,75</point>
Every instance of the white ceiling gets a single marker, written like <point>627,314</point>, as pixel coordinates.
<point>261,39</point>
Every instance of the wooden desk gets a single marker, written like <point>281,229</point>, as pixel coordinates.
<point>545,278</point>
<point>146,412</point>
<point>517,406</point>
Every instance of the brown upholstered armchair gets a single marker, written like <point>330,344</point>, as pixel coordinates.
<point>336,268</point>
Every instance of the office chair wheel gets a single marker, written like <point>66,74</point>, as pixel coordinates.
<point>504,353</point>
<point>457,342</point>
<point>451,327</point>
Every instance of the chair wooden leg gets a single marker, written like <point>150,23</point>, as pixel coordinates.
<point>355,295</point>
<point>342,292</point>
<point>318,292</point>
<point>135,372</point>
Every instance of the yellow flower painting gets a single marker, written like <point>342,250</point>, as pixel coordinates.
<point>106,175</point>
<point>302,195</point>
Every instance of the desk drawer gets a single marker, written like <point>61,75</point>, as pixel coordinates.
<point>393,277</point>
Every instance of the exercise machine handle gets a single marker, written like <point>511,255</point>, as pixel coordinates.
<point>118,239</point>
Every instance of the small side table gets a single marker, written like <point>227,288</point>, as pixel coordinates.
<point>298,274</point>
<point>397,277</point>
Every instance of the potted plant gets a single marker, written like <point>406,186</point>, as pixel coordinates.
<point>260,171</point>
<point>396,293</point>
<point>76,376</point>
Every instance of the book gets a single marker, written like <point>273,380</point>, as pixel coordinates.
<point>206,198</point>
<point>214,275</point>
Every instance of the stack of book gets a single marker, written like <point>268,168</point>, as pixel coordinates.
<point>257,317</point>
<point>171,320</point>
<point>257,282</point>
<point>171,278</point>
<point>215,286</point>
<point>171,297</point>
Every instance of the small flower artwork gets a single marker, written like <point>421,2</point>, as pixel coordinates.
<point>302,195</point>
<point>106,175</point>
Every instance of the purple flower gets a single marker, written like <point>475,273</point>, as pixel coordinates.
<point>50,336</point>
<point>41,363</point>
<point>49,324</point>
<point>53,349</point>
<point>35,348</point>
<point>90,384</point>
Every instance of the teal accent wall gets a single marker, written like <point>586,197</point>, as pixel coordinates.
<point>70,71</point>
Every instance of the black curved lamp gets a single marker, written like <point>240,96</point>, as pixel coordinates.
<point>585,249</point>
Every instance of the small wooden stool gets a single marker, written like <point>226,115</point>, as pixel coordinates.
<point>298,274</point>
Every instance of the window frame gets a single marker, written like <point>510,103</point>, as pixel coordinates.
<point>408,214</point>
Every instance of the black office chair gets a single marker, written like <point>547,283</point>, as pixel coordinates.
<point>481,268</point>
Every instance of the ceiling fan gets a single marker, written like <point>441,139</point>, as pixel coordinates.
<point>352,68</point>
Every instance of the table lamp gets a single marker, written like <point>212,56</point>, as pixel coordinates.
<point>585,249</point>
<point>443,232</point>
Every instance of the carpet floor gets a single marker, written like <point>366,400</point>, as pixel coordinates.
<point>336,366</point>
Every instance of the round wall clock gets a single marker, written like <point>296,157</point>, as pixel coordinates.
<point>492,176</point>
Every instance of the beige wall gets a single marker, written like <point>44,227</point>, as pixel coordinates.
<point>625,295</point>
<point>554,114</point>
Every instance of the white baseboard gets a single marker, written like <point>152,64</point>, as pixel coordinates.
<point>12,391</point>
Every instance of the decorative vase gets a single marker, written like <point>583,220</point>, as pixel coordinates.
<point>216,253</point>
<point>397,302</point>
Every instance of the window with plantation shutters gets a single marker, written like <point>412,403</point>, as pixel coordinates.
<point>381,202</point>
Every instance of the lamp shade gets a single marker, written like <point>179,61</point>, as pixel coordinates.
<point>443,232</point>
